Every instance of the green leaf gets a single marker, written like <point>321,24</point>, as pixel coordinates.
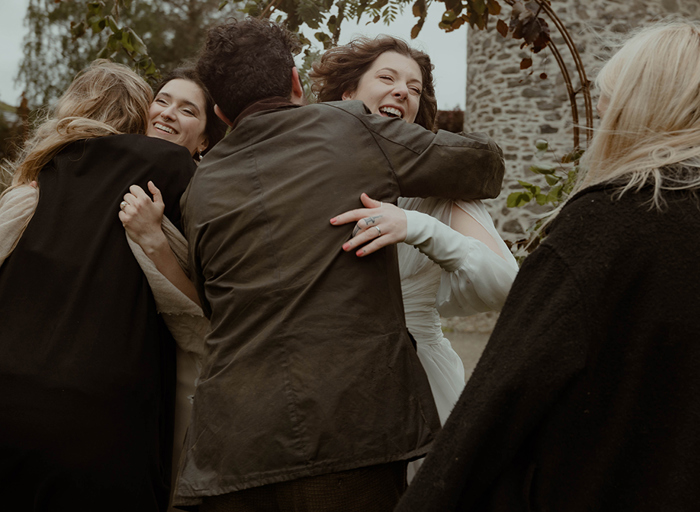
<point>574,156</point>
<point>136,43</point>
<point>477,6</point>
<point>95,8</point>
<point>533,189</point>
<point>97,24</point>
<point>542,169</point>
<point>449,17</point>
<point>114,42</point>
<point>223,4</point>
<point>517,199</point>
<point>552,179</point>
<point>555,195</point>
<point>322,37</point>
<point>112,24</point>
<point>541,199</point>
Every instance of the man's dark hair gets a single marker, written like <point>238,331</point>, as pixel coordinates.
<point>246,61</point>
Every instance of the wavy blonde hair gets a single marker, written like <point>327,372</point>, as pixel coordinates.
<point>650,131</point>
<point>104,99</point>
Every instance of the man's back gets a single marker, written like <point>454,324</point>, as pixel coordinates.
<point>309,369</point>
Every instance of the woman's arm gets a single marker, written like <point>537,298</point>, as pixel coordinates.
<point>477,272</point>
<point>142,217</point>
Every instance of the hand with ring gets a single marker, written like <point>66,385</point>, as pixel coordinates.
<point>378,225</point>
<point>142,216</point>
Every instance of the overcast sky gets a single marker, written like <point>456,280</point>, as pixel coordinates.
<point>447,51</point>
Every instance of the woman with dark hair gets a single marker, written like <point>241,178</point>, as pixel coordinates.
<point>85,361</point>
<point>183,98</point>
<point>462,266</point>
<point>182,112</point>
<point>338,73</point>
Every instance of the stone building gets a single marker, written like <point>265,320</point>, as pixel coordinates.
<point>517,107</point>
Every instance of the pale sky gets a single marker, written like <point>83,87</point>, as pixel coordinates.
<point>447,51</point>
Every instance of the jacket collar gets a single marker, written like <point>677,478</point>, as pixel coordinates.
<point>272,103</point>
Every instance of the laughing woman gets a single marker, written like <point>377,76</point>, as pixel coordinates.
<point>452,260</point>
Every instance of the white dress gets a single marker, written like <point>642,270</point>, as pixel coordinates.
<point>472,279</point>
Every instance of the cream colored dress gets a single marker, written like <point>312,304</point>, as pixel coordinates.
<point>447,273</point>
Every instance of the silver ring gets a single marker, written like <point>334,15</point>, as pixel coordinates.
<point>378,230</point>
<point>123,205</point>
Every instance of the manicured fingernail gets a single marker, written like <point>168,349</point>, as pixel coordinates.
<point>334,220</point>
<point>361,252</point>
<point>347,247</point>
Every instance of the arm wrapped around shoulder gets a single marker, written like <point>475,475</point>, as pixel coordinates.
<point>475,278</point>
<point>448,165</point>
<point>493,165</point>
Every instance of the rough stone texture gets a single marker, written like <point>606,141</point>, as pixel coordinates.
<point>517,107</point>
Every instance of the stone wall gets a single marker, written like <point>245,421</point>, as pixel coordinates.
<point>518,107</point>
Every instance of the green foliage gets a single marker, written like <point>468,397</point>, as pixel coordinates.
<point>560,180</point>
<point>325,17</point>
<point>152,36</point>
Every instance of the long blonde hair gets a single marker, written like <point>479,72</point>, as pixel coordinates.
<point>104,99</point>
<point>650,131</point>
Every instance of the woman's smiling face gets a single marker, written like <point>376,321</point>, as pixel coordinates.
<point>391,87</point>
<point>178,114</point>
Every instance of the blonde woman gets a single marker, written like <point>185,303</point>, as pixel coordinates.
<point>86,364</point>
<point>587,396</point>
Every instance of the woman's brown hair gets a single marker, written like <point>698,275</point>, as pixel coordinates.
<point>340,69</point>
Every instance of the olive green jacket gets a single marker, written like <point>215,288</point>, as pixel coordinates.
<point>309,368</point>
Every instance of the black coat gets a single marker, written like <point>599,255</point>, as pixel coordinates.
<point>309,368</point>
<point>86,364</point>
<point>587,396</point>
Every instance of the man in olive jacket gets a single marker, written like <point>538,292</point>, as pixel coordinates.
<point>311,391</point>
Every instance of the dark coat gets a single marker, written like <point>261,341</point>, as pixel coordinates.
<point>86,364</point>
<point>587,396</point>
<point>309,368</point>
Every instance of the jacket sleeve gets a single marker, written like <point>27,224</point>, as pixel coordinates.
<point>537,348</point>
<point>443,164</point>
<point>474,278</point>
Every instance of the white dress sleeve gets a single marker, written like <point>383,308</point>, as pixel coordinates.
<point>474,277</point>
<point>17,207</point>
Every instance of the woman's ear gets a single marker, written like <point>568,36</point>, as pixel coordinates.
<point>203,145</point>
<point>348,95</point>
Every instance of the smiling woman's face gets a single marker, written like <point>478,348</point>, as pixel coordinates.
<point>178,114</point>
<point>391,87</point>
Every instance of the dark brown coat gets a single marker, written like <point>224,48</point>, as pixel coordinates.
<point>309,367</point>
